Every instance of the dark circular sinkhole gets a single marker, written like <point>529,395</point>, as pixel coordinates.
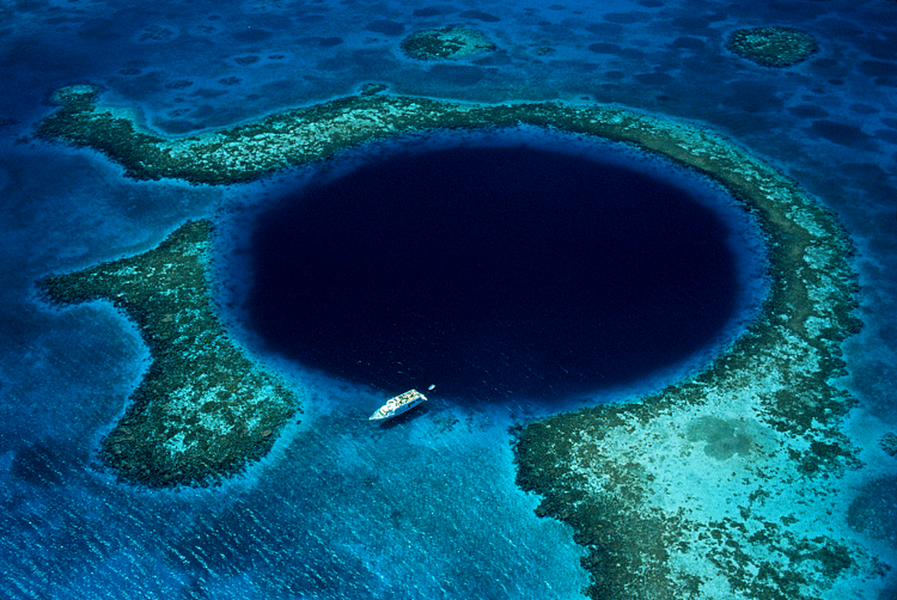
<point>490,271</point>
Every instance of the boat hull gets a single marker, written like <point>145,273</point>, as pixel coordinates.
<point>398,405</point>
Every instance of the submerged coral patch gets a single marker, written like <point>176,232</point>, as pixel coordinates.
<point>724,437</point>
<point>772,46</point>
<point>385,27</point>
<point>448,43</point>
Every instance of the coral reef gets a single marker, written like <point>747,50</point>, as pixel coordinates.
<point>772,46</point>
<point>204,409</point>
<point>702,490</point>
<point>449,43</point>
<point>714,487</point>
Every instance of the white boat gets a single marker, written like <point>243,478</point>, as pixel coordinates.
<point>399,404</point>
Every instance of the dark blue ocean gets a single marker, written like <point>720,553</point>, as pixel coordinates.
<point>521,324</point>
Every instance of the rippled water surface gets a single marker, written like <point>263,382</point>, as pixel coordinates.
<point>427,506</point>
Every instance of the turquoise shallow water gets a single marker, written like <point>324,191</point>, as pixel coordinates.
<point>428,507</point>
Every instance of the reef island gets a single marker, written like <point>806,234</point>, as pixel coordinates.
<point>718,486</point>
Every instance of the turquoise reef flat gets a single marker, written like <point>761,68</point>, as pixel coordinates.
<point>717,486</point>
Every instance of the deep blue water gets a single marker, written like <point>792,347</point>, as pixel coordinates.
<point>331,513</point>
<point>492,271</point>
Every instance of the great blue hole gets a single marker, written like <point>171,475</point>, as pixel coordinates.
<point>493,270</point>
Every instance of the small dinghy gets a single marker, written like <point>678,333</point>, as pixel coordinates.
<point>399,404</point>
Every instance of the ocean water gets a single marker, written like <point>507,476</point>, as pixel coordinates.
<point>497,270</point>
<point>426,507</point>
